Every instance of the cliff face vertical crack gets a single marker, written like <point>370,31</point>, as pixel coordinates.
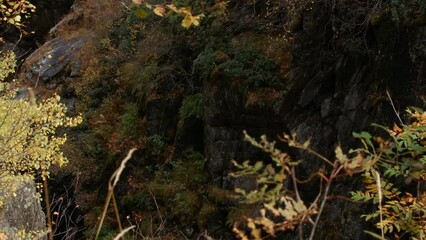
<point>48,13</point>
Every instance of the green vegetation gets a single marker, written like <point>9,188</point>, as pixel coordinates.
<point>401,158</point>
<point>142,86</point>
<point>129,120</point>
<point>156,144</point>
<point>192,106</point>
<point>176,193</point>
<point>141,82</point>
<point>253,68</point>
<point>387,165</point>
<point>14,12</point>
<point>30,142</point>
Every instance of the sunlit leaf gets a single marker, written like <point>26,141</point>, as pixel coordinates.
<point>160,11</point>
<point>172,7</point>
<point>137,1</point>
<point>340,156</point>
<point>190,20</point>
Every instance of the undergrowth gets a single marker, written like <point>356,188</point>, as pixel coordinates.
<point>393,173</point>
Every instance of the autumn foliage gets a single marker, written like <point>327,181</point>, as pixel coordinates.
<point>29,139</point>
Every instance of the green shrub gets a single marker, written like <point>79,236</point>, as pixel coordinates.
<point>140,81</point>
<point>401,158</point>
<point>156,143</point>
<point>129,120</point>
<point>253,68</point>
<point>139,200</point>
<point>192,106</point>
<point>179,188</point>
<point>382,162</point>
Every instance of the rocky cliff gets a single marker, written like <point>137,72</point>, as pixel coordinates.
<point>183,97</point>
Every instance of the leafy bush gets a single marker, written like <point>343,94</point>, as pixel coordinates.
<point>156,143</point>
<point>252,67</point>
<point>129,120</point>
<point>29,140</point>
<point>401,158</point>
<point>383,164</point>
<point>15,11</point>
<point>179,189</point>
<point>140,82</point>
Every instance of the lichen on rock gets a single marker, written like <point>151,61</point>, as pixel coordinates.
<point>21,215</point>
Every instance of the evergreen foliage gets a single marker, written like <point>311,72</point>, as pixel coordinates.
<point>192,106</point>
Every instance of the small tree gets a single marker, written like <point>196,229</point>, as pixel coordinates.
<point>15,11</point>
<point>29,140</point>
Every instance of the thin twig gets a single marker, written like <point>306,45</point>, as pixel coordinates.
<point>48,213</point>
<point>112,182</point>
<point>394,109</point>
<point>117,214</point>
<point>121,234</point>
<point>324,199</point>
<point>122,3</point>
<point>293,177</point>
<point>332,197</point>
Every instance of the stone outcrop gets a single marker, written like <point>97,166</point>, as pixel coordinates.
<point>326,94</point>
<point>20,210</point>
<point>54,62</point>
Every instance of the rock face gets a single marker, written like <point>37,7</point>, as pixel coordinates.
<point>20,211</point>
<point>329,95</point>
<point>319,91</point>
<point>55,61</point>
<point>48,14</point>
<point>228,112</point>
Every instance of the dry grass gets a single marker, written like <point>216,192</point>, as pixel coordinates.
<point>95,15</point>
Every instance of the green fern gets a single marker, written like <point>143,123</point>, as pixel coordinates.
<point>403,156</point>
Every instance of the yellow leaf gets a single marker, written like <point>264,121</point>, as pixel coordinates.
<point>186,22</point>
<point>190,20</point>
<point>138,2</point>
<point>184,11</point>
<point>160,11</point>
<point>172,7</point>
<point>255,232</point>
